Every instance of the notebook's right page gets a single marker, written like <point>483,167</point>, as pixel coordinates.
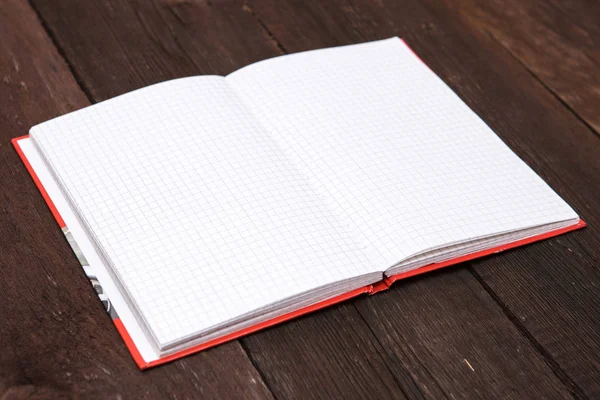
<point>395,149</point>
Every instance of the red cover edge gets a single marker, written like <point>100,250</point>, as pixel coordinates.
<point>371,289</point>
<point>36,180</point>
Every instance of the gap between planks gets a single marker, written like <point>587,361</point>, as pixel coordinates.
<point>62,53</point>
<point>543,84</point>
<point>554,366</point>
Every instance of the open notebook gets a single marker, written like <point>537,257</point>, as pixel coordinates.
<point>209,207</point>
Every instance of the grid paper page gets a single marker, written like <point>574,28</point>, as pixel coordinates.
<point>408,163</point>
<point>198,211</point>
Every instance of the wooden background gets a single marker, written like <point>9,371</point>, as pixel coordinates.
<point>523,324</point>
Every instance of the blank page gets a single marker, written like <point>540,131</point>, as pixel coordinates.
<point>198,211</point>
<point>407,162</point>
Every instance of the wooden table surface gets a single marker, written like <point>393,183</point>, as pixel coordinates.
<point>522,324</point>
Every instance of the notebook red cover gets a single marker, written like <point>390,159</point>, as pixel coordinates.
<point>370,289</point>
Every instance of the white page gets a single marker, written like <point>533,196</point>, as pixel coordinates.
<point>198,211</point>
<point>407,162</point>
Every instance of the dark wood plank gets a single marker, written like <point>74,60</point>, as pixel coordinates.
<point>557,41</point>
<point>441,337</point>
<point>457,342</point>
<point>584,14</point>
<point>530,283</point>
<point>328,354</point>
<point>137,43</point>
<point>56,339</point>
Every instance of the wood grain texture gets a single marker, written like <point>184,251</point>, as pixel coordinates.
<point>328,354</point>
<point>522,324</point>
<point>137,43</point>
<point>56,340</point>
<point>558,41</point>
<point>529,283</point>
<point>456,342</point>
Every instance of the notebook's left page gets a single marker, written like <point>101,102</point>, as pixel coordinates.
<point>197,210</point>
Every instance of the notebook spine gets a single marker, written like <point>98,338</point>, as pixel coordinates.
<point>379,286</point>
